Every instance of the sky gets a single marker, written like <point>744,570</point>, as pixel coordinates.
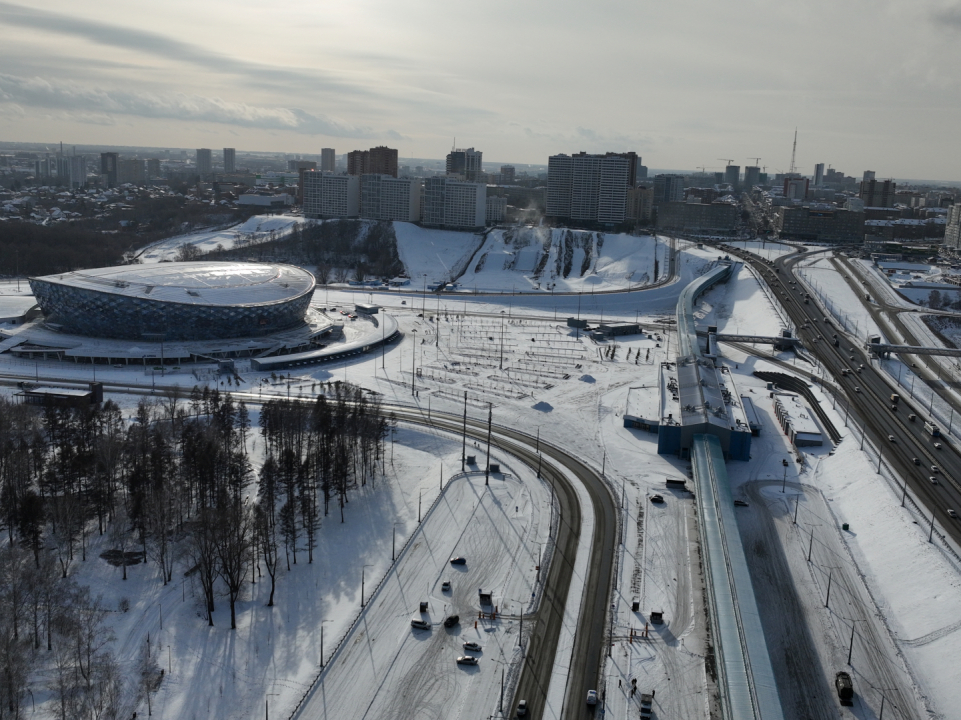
<point>869,84</point>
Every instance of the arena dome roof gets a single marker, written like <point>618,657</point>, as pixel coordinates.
<point>195,283</point>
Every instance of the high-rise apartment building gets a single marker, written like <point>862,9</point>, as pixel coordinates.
<point>108,169</point>
<point>877,194</point>
<point>205,165</point>
<point>382,160</point>
<point>298,165</point>
<point>640,202</point>
<point>330,196</point>
<point>131,170</point>
<point>465,163</point>
<point>796,188</point>
<point>818,175</point>
<point>358,162</point>
<point>230,160</point>
<point>668,188</point>
<point>153,168</point>
<point>328,160</point>
<point>752,176</point>
<point>383,197</point>
<point>453,203</point>
<point>507,174</point>
<point>952,231</point>
<point>868,175</point>
<point>732,175</point>
<point>590,188</point>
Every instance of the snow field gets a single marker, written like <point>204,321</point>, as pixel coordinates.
<point>258,229</point>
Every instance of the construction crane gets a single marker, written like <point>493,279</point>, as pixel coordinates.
<point>757,161</point>
<point>729,162</point>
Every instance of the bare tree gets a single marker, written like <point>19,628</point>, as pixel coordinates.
<point>234,540</point>
<point>203,555</point>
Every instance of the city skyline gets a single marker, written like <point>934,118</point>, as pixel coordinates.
<point>681,88</point>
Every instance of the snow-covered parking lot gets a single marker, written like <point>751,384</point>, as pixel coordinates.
<point>386,668</point>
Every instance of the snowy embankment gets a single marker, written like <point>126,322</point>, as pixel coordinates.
<point>766,250</point>
<point>530,259</point>
<point>260,228</point>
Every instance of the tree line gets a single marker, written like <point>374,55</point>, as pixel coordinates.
<point>173,485</point>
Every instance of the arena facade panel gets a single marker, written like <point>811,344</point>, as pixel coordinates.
<point>176,301</point>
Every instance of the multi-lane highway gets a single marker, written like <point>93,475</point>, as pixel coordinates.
<point>913,452</point>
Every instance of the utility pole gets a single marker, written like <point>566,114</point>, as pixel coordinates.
<point>487,468</point>
<point>463,452</point>
<point>851,646</point>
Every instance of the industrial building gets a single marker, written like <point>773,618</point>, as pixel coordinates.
<point>796,421</point>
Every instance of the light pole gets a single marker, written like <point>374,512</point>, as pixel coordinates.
<point>363,571</point>
<point>322,641</point>
<point>393,541</point>
<point>267,704</point>
<point>413,357</point>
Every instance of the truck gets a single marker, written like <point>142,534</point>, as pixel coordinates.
<point>931,429</point>
<point>895,398</point>
<point>845,688</point>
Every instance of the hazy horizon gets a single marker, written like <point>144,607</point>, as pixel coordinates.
<point>685,84</point>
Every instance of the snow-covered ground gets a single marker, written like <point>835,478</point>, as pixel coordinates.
<point>516,352</point>
<point>259,228</point>
<point>834,293</point>
<point>529,259</point>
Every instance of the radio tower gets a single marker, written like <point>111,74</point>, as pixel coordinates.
<point>793,151</point>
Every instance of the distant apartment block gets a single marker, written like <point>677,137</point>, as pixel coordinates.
<point>590,188</point>
<point>877,194</point>
<point>298,165</point>
<point>230,160</point>
<point>717,217</point>
<point>818,175</point>
<point>640,202</point>
<point>496,210</point>
<point>732,175</point>
<point>454,203</point>
<point>108,169</point>
<point>465,164</point>
<point>131,171</point>
<point>330,196</point>
<point>153,168</point>
<point>819,225</point>
<point>752,176</point>
<point>507,174</point>
<point>328,160</point>
<point>380,160</point>
<point>796,188</point>
<point>952,231</point>
<point>205,164</point>
<point>383,197</point>
<point>668,188</point>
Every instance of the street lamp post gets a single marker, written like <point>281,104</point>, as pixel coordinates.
<point>363,571</point>
<point>267,704</point>
<point>322,641</point>
<point>393,541</point>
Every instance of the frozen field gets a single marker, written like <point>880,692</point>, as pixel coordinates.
<point>259,228</point>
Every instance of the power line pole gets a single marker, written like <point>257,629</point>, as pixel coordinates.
<point>463,452</point>
<point>487,469</point>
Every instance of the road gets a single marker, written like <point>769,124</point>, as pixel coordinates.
<point>869,393</point>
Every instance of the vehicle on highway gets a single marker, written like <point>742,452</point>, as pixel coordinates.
<point>937,446</point>
<point>592,697</point>
<point>895,398</point>
<point>657,499</point>
<point>952,513</point>
<point>740,503</point>
<point>466,660</point>
<point>420,624</point>
<point>472,647</point>
<point>891,438</point>
<point>934,469</point>
<point>912,417</point>
<point>845,372</point>
<point>934,480</point>
<point>917,461</point>
<point>451,621</point>
<point>458,561</point>
<point>931,429</point>
<point>445,586</point>
<point>522,708</point>
<point>857,389</point>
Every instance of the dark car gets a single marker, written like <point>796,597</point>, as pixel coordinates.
<point>451,621</point>
<point>740,503</point>
<point>458,561</point>
<point>522,708</point>
<point>420,624</point>
<point>657,499</point>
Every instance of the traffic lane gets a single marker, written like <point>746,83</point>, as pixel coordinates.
<point>945,495</point>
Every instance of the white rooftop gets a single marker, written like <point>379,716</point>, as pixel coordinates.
<point>195,283</point>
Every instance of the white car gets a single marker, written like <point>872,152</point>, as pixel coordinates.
<point>592,697</point>
<point>472,647</point>
<point>466,660</point>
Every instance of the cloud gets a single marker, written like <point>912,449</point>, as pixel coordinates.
<point>166,48</point>
<point>86,103</point>
<point>948,16</point>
